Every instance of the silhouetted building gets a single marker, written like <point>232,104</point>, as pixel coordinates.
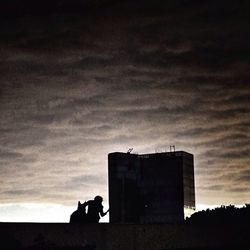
<point>151,188</point>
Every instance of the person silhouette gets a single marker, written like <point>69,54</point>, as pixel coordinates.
<point>95,209</point>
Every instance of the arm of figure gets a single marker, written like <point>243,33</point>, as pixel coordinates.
<point>102,213</point>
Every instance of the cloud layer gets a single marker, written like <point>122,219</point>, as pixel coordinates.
<point>74,88</point>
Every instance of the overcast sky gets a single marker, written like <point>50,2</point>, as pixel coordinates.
<point>81,80</point>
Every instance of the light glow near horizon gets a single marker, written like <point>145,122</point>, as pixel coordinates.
<point>37,212</point>
<point>54,213</point>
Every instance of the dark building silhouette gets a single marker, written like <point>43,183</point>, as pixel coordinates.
<point>151,188</point>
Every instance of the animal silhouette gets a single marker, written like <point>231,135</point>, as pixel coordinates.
<point>79,216</point>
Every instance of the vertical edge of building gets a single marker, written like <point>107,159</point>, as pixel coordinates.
<point>114,186</point>
<point>188,184</point>
<point>123,189</point>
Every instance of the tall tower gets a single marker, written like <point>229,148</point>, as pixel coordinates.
<point>151,188</point>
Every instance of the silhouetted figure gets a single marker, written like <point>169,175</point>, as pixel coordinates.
<point>95,209</point>
<point>79,216</point>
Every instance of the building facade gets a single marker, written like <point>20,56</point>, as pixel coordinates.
<point>151,188</point>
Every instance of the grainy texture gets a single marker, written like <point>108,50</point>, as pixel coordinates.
<point>124,237</point>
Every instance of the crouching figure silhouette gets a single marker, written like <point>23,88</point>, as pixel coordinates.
<point>95,209</point>
<point>79,216</point>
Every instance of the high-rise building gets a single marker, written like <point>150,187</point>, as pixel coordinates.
<point>151,188</point>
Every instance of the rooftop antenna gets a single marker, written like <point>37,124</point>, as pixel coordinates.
<point>130,150</point>
<point>172,147</point>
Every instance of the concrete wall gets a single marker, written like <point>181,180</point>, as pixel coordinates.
<point>125,237</point>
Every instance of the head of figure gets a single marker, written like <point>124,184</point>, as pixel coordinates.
<point>98,199</point>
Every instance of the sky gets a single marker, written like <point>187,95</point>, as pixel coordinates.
<point>80,79</point>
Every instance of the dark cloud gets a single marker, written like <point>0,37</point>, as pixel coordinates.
<point>211,188</point>
<point>87,179</point>
<point>239,189</point>
<point>24,192</point>
<point>243,176</point>
<point>9,155</point>
<point>79,81</point>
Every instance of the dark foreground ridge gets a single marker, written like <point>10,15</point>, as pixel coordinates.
<point>103,236</point>
<point>222,215</point>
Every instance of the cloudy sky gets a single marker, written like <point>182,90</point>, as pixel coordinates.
<point>80,79</point>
